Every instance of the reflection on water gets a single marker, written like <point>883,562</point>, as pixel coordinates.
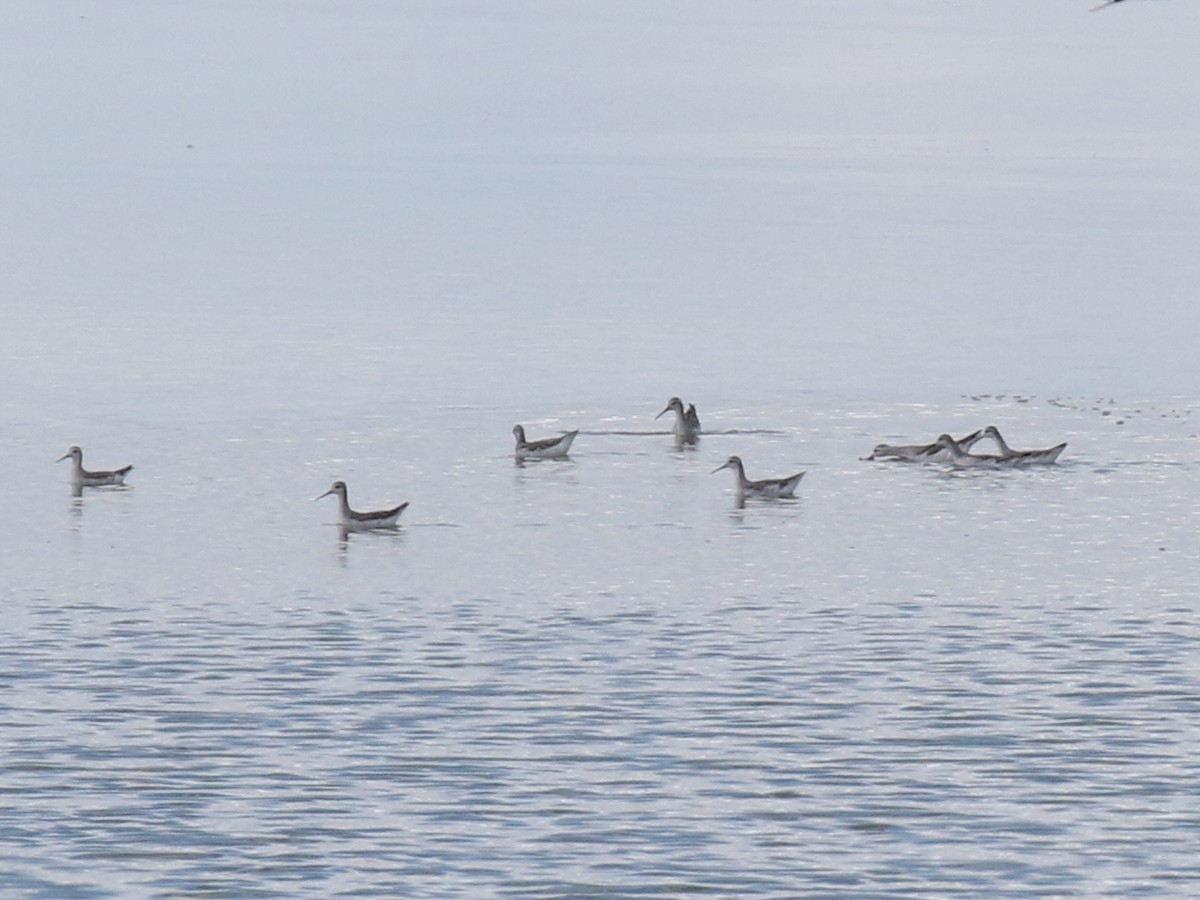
<point>78,488</point>
<point>521,462</point>
<point>393,533</point>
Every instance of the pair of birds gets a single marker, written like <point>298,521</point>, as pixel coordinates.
<point>958,452</point>
<point>687,431</point>
<point>351,519</point>
<point>546,448</point>
<point>686,428</point>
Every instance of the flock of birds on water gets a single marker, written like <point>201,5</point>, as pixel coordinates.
<point>686,430</point>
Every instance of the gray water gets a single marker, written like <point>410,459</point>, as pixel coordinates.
<point>254,250</point>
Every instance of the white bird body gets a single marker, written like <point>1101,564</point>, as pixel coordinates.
<point>546,448</point>
<point>767,488</point>
<point>82,477</point>
<point>1012,457</point>
<point>934,452</point>
<point>352,520</point>
<point>960,458</point>
<point>687,421</point>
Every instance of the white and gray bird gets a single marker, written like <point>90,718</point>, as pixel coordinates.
<point>353,520</point>
<point>765,489</point>
<point>82,477</point>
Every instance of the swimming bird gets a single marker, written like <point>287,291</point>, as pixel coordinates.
<point>82,477</point>
<point>1013,457</point>
<point>766,489</point>
<point>934,452</point>
<point>959,457</point>
<point>352,520</point>
<point>546,448</point>
<point>687,422</point>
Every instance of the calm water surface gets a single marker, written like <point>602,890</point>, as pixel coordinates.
<point>600,676</point>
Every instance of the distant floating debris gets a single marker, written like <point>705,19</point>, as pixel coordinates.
<point>1016,398</point>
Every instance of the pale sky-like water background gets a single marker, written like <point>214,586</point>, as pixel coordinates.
<point>251,248</point>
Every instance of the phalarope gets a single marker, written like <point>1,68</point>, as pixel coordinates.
<point>957,456</point>
<point>1024,457</point>
<point>546,448</point>
<point>352,520</point>
<point>934,452</point>
<point>687,422</point>
<point>767,488</point>
<point>81,476</point>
